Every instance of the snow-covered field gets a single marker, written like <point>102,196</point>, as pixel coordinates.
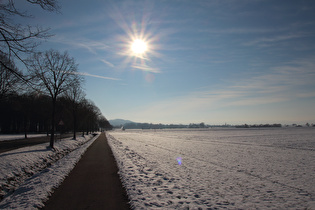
<point>217,168</point>
<point>28,175</point>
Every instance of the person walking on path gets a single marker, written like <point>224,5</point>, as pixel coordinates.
<point>93,183</point>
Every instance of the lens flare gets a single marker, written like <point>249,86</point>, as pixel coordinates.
<point>179,160</point>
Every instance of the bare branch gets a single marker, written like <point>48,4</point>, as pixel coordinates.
<point>18,40</point>
<point>55,73</point>
<point>9,82</point>
<point>49,5</point>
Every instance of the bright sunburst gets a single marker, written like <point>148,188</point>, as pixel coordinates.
<point>139,47</point>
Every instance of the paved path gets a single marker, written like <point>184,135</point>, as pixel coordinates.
<point>93,183</point>
<point>18,143</point>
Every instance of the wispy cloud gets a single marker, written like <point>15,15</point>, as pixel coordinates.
<point>282,84</point>
<point>224,31</point>
<point>107,62</point>
<point>91,45</point>
<point>144,67</point>
<point>273,39</point>
<point>97,76</point>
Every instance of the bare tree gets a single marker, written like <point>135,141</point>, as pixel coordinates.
<point>75,94</point>
<point>17,40</point>
<point>103,123</point>
<point>89,114</point>
<point>54,74</point>
<point>8,81</point>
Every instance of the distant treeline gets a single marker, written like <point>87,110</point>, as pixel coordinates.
<point>200,125</point>
<point>160,126</point>
<point>31,113</point>
<point>150,126</point>
<point>259,126</point>
<point>167,126</point>
<point>48,98</point>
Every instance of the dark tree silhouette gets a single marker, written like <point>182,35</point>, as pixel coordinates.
<point>9,83</point>
<point>104,124</point>
<point>17,40</point>
<point>53,73</point>
<point>30,112</point>
<point>75,95</point>
<point>89,113</point>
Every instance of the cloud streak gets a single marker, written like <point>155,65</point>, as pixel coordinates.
<point>97,76</point>
<point>107,62</point>
<point>92,46</point>
<point>264,41</point>
<point>144,67</point>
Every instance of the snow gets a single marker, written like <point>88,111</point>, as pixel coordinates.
<point>7,137</point>
<point>32,173</point>
<point>270,168</point>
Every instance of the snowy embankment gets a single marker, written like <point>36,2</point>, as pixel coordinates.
<point>28,175</point>
<point>217,168</point>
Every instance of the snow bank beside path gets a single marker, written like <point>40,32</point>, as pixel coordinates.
<point>217,168</point>
<point>31,173</point>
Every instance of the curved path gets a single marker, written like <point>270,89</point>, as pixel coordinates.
<point>93,183</point>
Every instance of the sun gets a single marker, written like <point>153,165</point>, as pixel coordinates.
<point>139,47</point>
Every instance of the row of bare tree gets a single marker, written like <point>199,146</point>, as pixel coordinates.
<point>31,113</point>
<point>50,74</point>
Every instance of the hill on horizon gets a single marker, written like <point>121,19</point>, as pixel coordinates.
<point>119,122</point>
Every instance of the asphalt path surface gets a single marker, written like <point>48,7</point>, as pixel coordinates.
<point>94,182</point>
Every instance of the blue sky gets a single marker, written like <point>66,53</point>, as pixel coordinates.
<point>245,61</point>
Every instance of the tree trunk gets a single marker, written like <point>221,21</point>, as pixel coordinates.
<point>74,124</point>
<point>25,134</point>
<point>25,127</point>
<point>53,123</point>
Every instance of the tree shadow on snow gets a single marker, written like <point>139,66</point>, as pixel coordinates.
<point>25,152</point>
